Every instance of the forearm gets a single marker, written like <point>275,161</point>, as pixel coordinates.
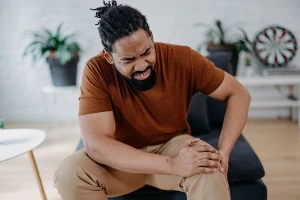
<point>123,157</point>
<point>235,120</point>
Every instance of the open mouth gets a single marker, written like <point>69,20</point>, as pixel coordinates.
<point>142,76</point>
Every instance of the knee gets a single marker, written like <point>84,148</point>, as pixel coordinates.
<point>207,183</point>
<point>73,170</point>
<point>66,171</point>
<point>214,178</point>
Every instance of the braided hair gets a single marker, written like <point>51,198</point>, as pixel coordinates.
<point>118,21</point>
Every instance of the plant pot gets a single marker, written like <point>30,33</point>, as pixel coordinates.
<point>230,49</point>
<point>63,75</point>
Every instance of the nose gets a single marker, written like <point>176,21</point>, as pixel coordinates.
<point>140,65</point>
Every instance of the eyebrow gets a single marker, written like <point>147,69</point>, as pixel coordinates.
<point>132,58</point>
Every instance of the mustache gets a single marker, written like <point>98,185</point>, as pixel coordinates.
<point>140,72</point>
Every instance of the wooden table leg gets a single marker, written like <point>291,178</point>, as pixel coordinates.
<point>37,174</point>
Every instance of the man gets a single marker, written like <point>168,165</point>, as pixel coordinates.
<point>133,106</point>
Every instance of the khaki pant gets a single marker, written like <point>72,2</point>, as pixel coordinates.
<point>80,178</point>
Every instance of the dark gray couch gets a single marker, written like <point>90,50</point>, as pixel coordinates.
<point>205,118</point>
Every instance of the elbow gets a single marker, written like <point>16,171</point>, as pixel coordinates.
<point>96,151</point>
<point>90,151</point>
<point>242,94</point>
<point>93,153</point>
<point>248,96</point>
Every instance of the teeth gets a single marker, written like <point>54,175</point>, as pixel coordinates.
<point>144,74</point>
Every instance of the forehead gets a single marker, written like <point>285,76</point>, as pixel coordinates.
<point>136,43</point>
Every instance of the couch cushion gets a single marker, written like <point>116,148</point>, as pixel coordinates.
<point>197,115</point>
<point>244,164</point>
<point>149,193</point>
<point>248,190</point>
<point>215,112</point>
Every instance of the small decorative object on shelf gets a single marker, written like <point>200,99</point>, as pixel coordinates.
<point>1,123</point>
<point>249,69</point>
<point>275,46</point>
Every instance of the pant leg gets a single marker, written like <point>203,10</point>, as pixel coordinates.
<point>198,187</point>
<point>79,177</point>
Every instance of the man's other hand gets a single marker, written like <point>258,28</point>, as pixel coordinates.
<point>196,158</point>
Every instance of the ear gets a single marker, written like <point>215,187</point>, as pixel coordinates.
<point>107,57</point>
<point>151,35</point>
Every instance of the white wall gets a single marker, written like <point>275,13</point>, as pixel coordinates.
<point>170,20</point>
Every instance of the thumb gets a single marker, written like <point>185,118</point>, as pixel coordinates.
<point>191,142</point>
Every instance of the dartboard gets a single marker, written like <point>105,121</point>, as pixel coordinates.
<point>275,46</point>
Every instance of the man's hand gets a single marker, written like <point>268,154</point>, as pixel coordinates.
<point>194,159</point>
<point>224,163</point>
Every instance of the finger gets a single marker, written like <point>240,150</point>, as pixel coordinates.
<point>209,163</point>
<point>204,148</point>
<point>222,169</point>
<point>209,155</point>
<point>191,141</point>
<point>206,170</point>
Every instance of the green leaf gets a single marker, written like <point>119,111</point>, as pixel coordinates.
<point>221,32</point>
<point>34,57</point>
<point>35,34</point>
<point>245,35</point>
<point>44,49</point>
<point>29,51</point>
<point>211,34</point>
<point>67,37</point>
<point>48,32</point>
<point>59,29</point>
<point>242,46</point>
<point>34,44</point>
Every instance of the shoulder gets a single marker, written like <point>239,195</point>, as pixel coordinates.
<point>178,55</point>
<point>97,66</point>
<point>165,48</point>
<point>97,62</point>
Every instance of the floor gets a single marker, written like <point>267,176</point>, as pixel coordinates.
<point>277,143</point>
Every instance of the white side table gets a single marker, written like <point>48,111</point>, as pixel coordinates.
<point>257,81</point>
<point>15,142</point>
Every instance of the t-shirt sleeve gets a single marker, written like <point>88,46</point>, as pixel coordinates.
<point>95,96</point>
<point>206,76</point>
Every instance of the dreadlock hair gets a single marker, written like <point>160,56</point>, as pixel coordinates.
<point>118,21</point>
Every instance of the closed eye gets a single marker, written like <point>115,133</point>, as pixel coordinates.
<point>147,52</point>
<point>129,60</point>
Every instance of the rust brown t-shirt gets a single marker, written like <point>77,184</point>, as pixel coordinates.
<point>154,116</point>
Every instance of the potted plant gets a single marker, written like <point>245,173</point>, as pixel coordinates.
<point>61,52</point>
<point>220,39</point>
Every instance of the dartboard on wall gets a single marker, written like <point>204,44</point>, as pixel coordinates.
<point>275,46</point>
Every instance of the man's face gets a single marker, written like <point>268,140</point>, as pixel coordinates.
<point>134,57</point>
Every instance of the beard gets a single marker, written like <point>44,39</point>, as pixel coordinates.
<point>142,85</point>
